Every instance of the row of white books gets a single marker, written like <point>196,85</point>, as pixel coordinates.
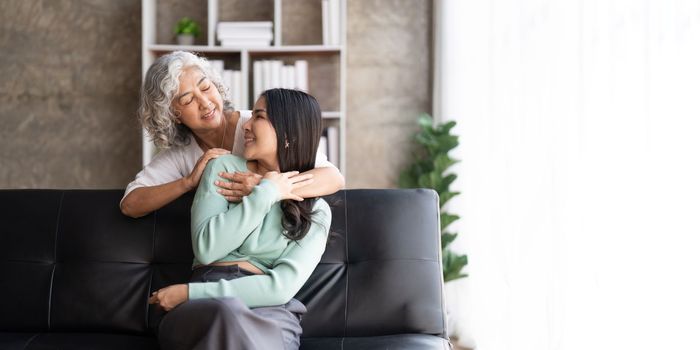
<point>268,74</point>
<point>232,79</point>
<point>331,21</point>
<point>244,34</point>
<point>329,145</point>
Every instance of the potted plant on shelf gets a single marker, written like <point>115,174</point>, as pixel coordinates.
<point>186,30</point>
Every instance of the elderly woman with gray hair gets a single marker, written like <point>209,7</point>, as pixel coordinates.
<point>186,110</point>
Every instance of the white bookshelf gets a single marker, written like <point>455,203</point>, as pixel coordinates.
<point>333,113</point>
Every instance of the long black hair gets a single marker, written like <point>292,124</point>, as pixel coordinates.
<point>296,118</point>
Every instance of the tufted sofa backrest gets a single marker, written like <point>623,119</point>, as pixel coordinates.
<point>70,261</point>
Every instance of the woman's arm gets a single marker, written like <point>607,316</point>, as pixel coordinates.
<point>144,200</point>
<point>219,227</point>
<point>160,183</point>
<point>327,180</point>
<point>285,279</point>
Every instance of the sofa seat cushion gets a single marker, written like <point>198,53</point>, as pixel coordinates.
<point>75,341</point>
<point>385,342</point>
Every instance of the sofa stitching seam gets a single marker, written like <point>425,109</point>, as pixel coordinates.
<point>347,267</point>
<point>55,258</point>
<point>148,291</point>
<point>53,272</point>
<point>153,258</point>
<point>153,237</point>
<point>30,340</point>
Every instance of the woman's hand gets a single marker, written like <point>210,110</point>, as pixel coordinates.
<point>170,297</point>
<point>192,180</point>
<point>287,182</point>
<point>239,186</point>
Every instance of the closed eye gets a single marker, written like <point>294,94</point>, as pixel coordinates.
<point>184,103</point>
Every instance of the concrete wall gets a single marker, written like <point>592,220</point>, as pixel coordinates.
<point>389,85</point>
<point>71,73</point>
<point>69,78</point>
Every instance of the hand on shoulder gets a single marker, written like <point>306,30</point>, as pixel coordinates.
<point>287,182</point>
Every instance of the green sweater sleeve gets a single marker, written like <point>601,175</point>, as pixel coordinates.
<point>219,227</point>
<point>287,275</point>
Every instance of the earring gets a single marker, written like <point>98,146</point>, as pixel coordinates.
<point>286,143</point>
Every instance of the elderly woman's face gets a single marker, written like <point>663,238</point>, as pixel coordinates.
<point>198,103</point>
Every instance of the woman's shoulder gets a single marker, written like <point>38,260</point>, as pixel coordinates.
<point>322,211</point>
<point>228,163</point>
<point>176,151</point>
<point>178,159</point>
<point>322,204</point>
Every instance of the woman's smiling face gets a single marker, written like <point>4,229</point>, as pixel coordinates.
<point>260,136</point>
<point>197,101</point>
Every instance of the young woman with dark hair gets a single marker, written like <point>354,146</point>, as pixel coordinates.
<point>252,257</point>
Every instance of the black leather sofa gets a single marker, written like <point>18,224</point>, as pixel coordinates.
<point>76,274</point>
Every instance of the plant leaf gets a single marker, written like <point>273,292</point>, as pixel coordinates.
<point>446,196</point>
<point>446,219</point>
<point>425,121</point>
<point>447,238</point>
<point>452,265</point>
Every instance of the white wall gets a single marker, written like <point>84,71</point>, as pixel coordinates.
<point>579,123</point>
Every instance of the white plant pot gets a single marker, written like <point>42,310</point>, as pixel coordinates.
<point>185,39</point>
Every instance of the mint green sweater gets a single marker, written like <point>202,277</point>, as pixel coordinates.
<point>252,231</point>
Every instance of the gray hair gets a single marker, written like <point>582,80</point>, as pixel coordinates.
<point>159,89</point>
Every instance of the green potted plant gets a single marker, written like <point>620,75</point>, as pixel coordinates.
<point>186,30</point>
<point>428,170</point>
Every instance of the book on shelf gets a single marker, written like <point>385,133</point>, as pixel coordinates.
<point>268,74</point>
<point>323,146</point>
<point>333,141</point>
<point>248,34</point>
<point>245,33</point>
<point>257,79</point>
<point>243,43</point>
<point>232,80</point>
<point>237,89</point>
<point>330,16</point>
<point>217,66</point>
<point>276,67</point>
<point>285,82</point>
<point>227,79</point>
<point>244,24</point>
<point>301,75</point>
